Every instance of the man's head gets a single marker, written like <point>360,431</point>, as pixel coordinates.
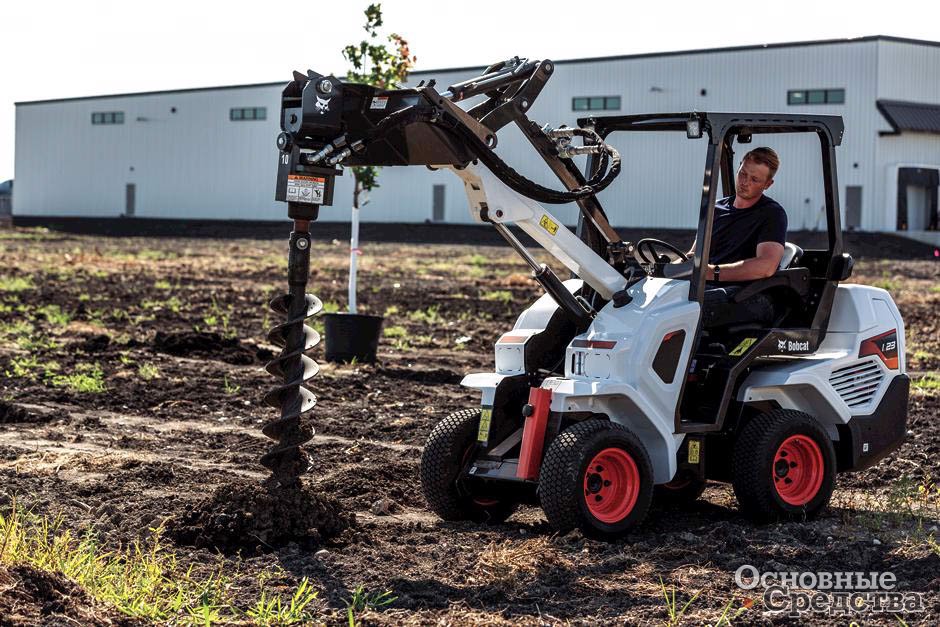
<point>756,173</point>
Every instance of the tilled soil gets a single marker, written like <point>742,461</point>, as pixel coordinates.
<point>177,331</point>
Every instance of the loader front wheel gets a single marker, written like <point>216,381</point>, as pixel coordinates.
<point>596,476</point>
<point>450,448</point>
<point>783,466</point>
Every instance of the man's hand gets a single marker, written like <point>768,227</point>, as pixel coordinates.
<point>765,264</point>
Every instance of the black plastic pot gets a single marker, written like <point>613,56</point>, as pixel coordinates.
<point>352,336</point>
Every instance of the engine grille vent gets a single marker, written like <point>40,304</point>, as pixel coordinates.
<point>858,383</point>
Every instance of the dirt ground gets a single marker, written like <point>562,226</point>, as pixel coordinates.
<point>132,386</point>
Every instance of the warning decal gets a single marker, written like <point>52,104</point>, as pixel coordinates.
<point>741,348</point>
<point>307,189</point>
<point>379,102</point>
<point>486,414</point>
<point>548,224</point>
<point>694,449</point>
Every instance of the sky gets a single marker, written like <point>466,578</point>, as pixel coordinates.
<point>59,49</point>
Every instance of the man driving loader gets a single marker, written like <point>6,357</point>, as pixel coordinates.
<point>748,236</point>
<point>750,229</point>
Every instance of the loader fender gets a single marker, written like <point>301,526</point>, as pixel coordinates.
<point>622,405</point>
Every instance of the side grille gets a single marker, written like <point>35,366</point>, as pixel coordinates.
<point>857,384</point>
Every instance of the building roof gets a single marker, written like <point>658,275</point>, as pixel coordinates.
<point>918,117</point>
<point>475,68</point>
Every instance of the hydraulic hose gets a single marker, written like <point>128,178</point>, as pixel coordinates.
<point>606,173</point>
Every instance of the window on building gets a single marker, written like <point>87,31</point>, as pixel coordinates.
<point>107,117</point>
<point>248,113</point>
<point>815,96</point>
<point>596,103</point>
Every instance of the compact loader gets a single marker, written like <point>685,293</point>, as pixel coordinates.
<point>625,382</point>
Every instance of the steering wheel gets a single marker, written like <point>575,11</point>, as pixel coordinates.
<point>652,244</point>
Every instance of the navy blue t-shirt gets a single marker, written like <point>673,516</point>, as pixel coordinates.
<point>737,232</point>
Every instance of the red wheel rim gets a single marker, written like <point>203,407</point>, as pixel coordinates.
<point>798,470</point>
<point>611,485</point>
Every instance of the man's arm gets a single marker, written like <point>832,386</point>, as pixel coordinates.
<point>765,264</point>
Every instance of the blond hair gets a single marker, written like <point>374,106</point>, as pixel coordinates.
<point>764,156</point>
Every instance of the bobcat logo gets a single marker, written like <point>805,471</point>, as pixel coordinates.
<point>781,345</point>
<point>323,105</point>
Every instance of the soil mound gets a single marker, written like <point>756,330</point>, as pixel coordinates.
<point>428,375</point>
<point>10,413</point>
<point>202,344</point>
<point>252,518</point>
<point>94,343</point>
<point>36,597</point>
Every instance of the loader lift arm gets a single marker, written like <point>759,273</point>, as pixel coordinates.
<point>327,124</point>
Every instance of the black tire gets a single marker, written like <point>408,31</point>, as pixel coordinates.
<point>772,487</point>
<point>448,452</point>
<point>565,480</point>
<point>685,488</point>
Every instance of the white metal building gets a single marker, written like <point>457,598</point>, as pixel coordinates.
<point>210,153</point>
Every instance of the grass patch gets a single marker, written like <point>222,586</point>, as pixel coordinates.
<point>54,315</point>
<point>144,580</point>
<point>429,315</point>
<point>674,613</point>
<point>479,260</point>
<point>395,331</point>
<point>362,600</point>
<point>148,372</point>
<point>500,296</point>
<point>162,285</point>
<point>172,304</point>
<point>85,378</point>
<point>887,284</point>
<point>909,509</point>
<point>929,382</point>
<point>15,284</point>
<point>26,367</point>
<point>229,387</point>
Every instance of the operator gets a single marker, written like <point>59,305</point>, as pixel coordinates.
<point>748,234</point>
<point>749,229</point>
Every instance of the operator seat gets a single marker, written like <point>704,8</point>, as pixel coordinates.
<point>749,303</point>
<point>791,254</point>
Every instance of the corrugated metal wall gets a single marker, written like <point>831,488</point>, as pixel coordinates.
<point>196,163</point>
<point>912,73</point>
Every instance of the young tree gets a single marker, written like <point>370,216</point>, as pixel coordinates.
<point>385,63</point>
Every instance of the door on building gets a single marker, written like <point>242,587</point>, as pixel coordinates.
<point>130,200</point>
<point>437,208</point>
<point>917,199</point>
<point>853,207</point>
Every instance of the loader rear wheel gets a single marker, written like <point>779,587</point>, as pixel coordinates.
<point>684,488</point>
<point>447,455</point>
<point>783,466</point>
<point>596,476</point>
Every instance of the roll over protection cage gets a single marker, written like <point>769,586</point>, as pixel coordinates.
<point>721,130</point>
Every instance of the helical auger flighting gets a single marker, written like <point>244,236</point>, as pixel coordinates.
<point>286,460</point>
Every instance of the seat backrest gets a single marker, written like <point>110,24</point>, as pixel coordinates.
<point>791,253</point>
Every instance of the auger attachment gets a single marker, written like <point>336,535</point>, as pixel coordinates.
<point>286,460</point>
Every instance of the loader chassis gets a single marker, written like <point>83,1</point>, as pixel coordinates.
<point>618,386</point>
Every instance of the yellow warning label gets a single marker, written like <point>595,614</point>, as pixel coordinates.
<point>548,224</point>
<point>694,449</point>
<point>743,346</point>
<point>486,414</point>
